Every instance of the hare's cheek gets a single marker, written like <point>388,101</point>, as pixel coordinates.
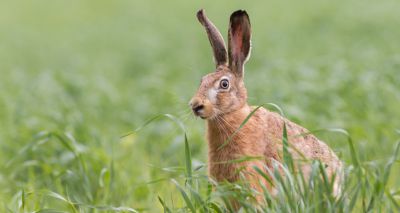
<point>212,95</point>
<point>224,101</point>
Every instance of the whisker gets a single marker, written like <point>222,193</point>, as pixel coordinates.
<point>233,129</point>
<point>185,116</point>
<point>225,130</point>
<point>221,131</point>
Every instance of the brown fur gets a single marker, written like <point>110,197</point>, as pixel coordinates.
<point>226,109</point>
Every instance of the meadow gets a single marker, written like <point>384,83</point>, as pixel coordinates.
<point>76,76</point>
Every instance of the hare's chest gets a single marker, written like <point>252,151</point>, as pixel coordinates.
<point>223,164</point>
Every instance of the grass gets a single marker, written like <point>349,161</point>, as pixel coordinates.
<point>76,76</point>
<point>364,187</point>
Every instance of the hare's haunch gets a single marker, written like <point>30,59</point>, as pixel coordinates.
<point>222,101</point>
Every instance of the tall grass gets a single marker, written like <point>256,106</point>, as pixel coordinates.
<point>364,187</point>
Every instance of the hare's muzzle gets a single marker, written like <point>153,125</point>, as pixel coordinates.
<point>197,106</point>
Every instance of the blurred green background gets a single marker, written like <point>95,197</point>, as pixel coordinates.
<point>90,71</point>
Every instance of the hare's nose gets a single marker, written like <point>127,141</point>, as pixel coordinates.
<point>196,105</point>
<point>197,108</point>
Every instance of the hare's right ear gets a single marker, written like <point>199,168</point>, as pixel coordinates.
<point>239,43</point>
<point>216,39</point>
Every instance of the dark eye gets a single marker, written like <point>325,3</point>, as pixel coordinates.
<point>224,84</point>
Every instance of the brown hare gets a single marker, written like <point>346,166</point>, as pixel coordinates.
<point>221,100</point>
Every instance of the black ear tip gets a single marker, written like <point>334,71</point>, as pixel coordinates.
<point>200,12</point>
<point>200,15</point>
<point>239,13</point>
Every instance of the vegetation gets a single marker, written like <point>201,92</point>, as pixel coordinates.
<point>76,76</point>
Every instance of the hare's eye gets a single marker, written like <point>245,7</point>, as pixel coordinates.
<point>224,84</point>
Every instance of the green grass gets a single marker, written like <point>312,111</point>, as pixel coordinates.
<point>77,75</point>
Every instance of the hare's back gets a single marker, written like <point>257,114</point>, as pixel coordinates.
<point>301,142</point>
<point>303,146</point>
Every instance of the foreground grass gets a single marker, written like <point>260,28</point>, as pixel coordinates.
<point>76,75</point>
<point>365,185</point>
<point>364,188</point>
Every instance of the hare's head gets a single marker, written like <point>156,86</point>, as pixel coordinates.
<point>223,90</point>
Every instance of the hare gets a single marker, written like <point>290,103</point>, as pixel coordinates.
<point>221,100</point>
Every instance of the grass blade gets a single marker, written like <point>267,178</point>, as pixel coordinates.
<point>165,207</point>
<point>188,160</point>
<point>186,198</point>
<point>381,184</point>
<point>240,127</point>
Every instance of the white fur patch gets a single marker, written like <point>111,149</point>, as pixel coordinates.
<point>212,95</point>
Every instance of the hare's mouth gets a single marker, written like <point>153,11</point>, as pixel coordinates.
<point>202,114</point>
<point>202,110</point>
<point>199,111</point>
<point>206,116</point>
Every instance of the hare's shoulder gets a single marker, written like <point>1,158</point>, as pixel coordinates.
<point>299,137</point>
<point>274,122</point>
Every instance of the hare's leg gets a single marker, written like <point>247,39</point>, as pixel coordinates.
<point>256,181</point>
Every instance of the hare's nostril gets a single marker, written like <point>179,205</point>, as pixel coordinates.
<point>197,108</point>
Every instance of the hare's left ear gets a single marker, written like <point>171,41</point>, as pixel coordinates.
<point>239,43</point>
<point>215,38</point>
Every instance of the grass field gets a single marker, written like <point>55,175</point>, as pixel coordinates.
<point>77,75</point>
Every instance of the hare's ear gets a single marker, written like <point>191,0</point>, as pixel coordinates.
<point>216,39</point>
<point>239,43</point>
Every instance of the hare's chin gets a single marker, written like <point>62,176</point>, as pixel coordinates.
<point>204,117</point>
<point>200,114</point>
